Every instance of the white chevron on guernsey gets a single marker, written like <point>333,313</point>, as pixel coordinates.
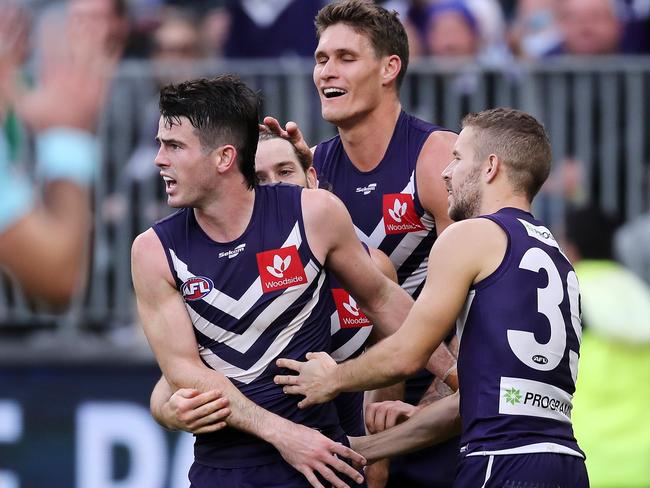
<point>352,345</point>
<point>410,240</point>
<point>272,352</point>
<point>243,342</point>
<point>234,307</point>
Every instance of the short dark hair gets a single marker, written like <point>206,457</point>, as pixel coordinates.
<point>222,110</point>
<point>305,162</point>
<point>519,140</point>
<point>383,28</point>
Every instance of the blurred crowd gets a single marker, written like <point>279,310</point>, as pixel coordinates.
<point>489,30</point>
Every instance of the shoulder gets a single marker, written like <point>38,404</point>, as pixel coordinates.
<point>440,141</point>
<point>321,203</point>
<point>145,242</point>
<point>147,255</point>
<point>478,244</point>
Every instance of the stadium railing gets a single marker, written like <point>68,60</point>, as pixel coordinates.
<point>595,112</point>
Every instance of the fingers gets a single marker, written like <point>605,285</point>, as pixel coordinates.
<point>329,475</point>
<point>274,126</point>
<point>311,477</point>
<point>289,364</point>
<point>354,457</point>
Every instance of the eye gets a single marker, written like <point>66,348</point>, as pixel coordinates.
<point>321,60</point>
<point>285,172</point>
<point>348,59</point>
<point>261,178</point>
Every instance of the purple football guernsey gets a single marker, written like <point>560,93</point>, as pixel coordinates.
<point>387,214</point>
<point>253,300</point>
<point>350,330</point>
<point>519,343</point>
<point>384,202</point>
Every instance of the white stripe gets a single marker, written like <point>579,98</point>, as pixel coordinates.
<point>243,342</point>
<point>377,236</point>
<point>274,349</point>
<point>488,471</point>
<point>218,299</point>
<point>462,317</point>
<point>353,345</point>
<point>540,447</point>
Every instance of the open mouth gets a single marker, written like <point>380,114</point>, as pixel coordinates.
<point>170,183</point>
<point>333,92</point>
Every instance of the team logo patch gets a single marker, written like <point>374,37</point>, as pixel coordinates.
<point>196,288</point>
<point>400,216</point>
<point>349,314</point>
<point>280,269</point>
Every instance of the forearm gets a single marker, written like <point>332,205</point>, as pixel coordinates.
<point>52,239</point>
<point>245,415</point>
<point>433,424</point>
<point>442,364</point>
<point>388,310</point>
<point>159,397</point>
<point>382,365</point>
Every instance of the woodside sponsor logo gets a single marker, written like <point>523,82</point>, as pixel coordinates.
<point>280,269</point>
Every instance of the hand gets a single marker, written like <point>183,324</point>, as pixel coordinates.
<point>73,80</point>
<point>315,378</point>
<point>384,415</point>
<point>195,412</point>
<point>309,452</point>
<point>291,133</point>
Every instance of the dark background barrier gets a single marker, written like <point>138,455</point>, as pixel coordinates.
<point>86,426</point>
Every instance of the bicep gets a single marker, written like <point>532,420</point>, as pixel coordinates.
<point>162,311</point>
<point>434,158</point>
<point>451,272</point>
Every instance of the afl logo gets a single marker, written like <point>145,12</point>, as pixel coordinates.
<point>196,288</point>
<point>539,359</point>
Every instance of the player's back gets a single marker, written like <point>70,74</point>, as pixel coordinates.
<point>519,342</point>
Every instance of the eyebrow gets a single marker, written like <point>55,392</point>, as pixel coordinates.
<point>162,140</point>
<point>340,52</point>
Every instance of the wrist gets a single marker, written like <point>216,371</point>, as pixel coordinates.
<point>67,154</point>
<point>450,378</point>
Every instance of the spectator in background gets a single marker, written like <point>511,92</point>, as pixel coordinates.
<point>43,237</point>
<point>451,30</point>
<point>272,28</point>
<point>610,417</point>
<point>534,31</point>
<point>632,245</point>
<point>589,27</point>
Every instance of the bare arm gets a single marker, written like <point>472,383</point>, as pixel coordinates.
<point>432,424</point>
<point>458,260</point>
<point>188,409</point>
<point>331,235</point>
<point>52,235</point>
<point>435,156</point>
<point>169,331</point>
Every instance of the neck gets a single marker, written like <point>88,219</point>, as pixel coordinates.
<point>492,205</point>
<point>225,218</point>
<point>366,141</point>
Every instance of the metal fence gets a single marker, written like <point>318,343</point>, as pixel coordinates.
<point>595,112</point>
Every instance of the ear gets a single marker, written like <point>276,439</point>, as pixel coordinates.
<point>492,167</point>
<point>391,68</point>
<point>226,156</point>
<point>312,179</point>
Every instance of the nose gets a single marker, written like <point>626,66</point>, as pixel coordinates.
<point>160,160</point>
<point>327,70</point>
<point>446,173</point>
